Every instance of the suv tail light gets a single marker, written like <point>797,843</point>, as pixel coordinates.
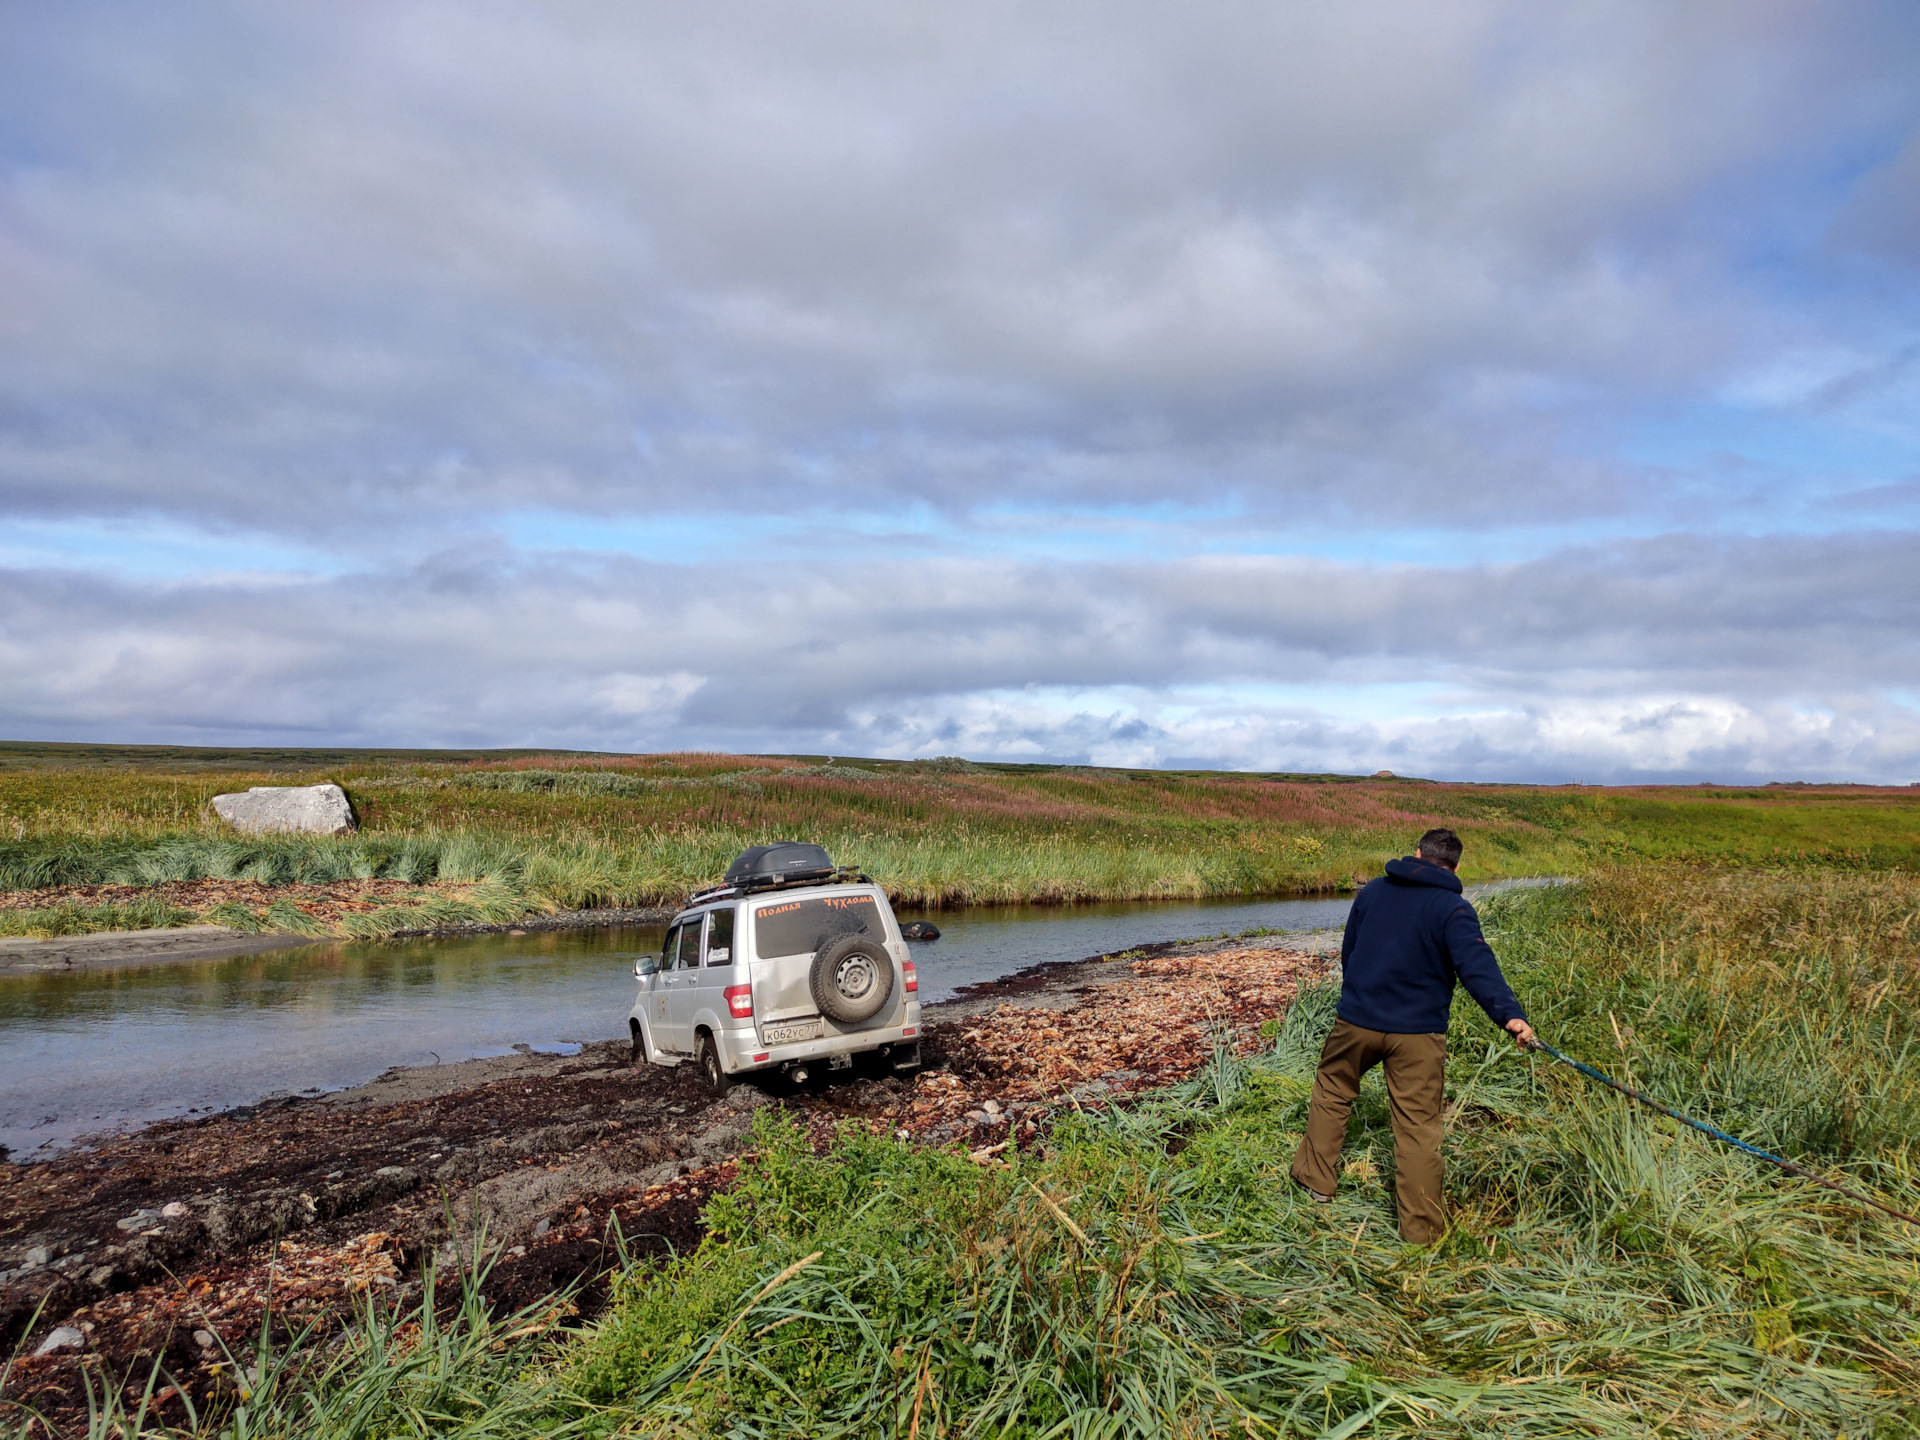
<point>740,1000</point>
<point>912,977</point>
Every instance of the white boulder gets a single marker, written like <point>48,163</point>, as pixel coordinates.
<point>301,809</point>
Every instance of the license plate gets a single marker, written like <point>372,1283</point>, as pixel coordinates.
<point>789,1031</point>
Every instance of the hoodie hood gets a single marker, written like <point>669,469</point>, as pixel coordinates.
<point>1412,870</point>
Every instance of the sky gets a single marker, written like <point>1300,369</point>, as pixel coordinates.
<point>1482,391</point>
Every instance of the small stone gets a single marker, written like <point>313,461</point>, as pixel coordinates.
<point>139,1220</point>
<point>978,1117</point>
<point>37,1256</point>
<point>992,1107</point>
<point>543,1227</point>
<point>65,1338</point>
<point>174,1209</point>
<point>203,1338</point>
<point>517,1251</point>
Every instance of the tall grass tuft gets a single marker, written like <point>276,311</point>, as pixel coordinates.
<point>48,922</point>
<point>425,1371</point>
<point>1605,1273</point>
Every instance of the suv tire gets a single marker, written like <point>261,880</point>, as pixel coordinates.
<point>851,979</point>
<point>713,1075</point>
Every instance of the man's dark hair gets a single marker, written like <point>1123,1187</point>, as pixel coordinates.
<point>1441,845</point>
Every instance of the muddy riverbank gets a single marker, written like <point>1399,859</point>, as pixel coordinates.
<point>165,1243</point>
<point>112,948</point>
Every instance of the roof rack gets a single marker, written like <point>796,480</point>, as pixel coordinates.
<point>840,875</point>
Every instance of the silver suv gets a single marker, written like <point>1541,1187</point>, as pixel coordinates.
<point>793,964</point>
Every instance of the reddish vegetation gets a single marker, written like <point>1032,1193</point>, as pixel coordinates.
<point>804,794</point>
<point>1151,1031</point>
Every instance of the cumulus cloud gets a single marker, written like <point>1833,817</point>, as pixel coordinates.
<point>1484,389</point>
<point>1624,663</point>
<point>389,267</point>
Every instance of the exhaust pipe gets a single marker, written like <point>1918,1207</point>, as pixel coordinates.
<point>799,1074</point>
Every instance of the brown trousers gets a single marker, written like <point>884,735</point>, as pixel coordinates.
<point>1416,1085</point>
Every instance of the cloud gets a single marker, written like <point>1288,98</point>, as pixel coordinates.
<point>1483,389</point>
<point>378,273</point>
<point>1644,659</point>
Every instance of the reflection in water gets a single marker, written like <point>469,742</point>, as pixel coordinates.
<point>87,1052</point>
<point>92,1051</point>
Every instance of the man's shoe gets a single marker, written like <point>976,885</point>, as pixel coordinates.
<point>1318,1198</point>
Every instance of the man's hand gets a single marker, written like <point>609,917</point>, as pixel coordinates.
<point>1523,1032</point>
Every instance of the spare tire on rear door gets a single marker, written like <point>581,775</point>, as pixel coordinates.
<point>852,978</point>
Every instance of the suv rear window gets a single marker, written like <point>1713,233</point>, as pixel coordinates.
<point>796,927</point>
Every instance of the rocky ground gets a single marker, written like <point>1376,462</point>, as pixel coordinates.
<point>166,1243</point>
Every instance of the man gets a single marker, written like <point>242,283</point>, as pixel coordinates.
<point>1410,935</point>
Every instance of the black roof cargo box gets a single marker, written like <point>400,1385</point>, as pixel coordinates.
<point>779,864</point>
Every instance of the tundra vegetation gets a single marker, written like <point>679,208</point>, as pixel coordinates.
<point>1148,1270</point>
<point>112,838</point>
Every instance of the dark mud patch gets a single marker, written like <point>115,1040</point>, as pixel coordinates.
<point>558,1168</point>
<point>1055,977</point>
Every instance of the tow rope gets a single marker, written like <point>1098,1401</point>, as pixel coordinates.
<point>1721,1135</point>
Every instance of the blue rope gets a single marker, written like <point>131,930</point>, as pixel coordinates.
<point>1718,1134</point>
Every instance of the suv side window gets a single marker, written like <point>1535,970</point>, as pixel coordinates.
<point>669,947</point>
<point>690,943</point>
<point>720,937</point>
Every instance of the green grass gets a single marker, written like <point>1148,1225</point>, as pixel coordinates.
<point>49,921</point>
<point>1607,1273</point>
<point>449,1370</point>
<point>1152,1272</point>
<point>575,831</point>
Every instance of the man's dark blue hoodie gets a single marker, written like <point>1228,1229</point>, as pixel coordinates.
<point>1410,935</point>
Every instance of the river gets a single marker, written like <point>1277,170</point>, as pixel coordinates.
<point>94,1051</point>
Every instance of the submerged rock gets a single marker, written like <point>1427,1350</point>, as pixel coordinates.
<point>299,809</point>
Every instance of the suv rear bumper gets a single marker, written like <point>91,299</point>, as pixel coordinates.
<point>741,1050</point>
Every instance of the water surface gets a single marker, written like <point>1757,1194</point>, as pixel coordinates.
<point>103,1050</point>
